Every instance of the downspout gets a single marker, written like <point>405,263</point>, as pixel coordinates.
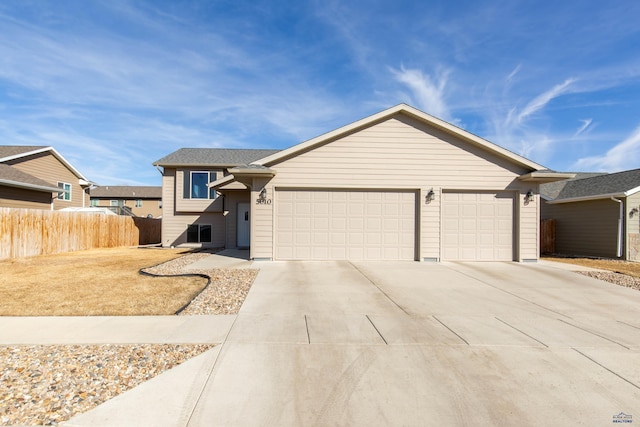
<point>620,217</point>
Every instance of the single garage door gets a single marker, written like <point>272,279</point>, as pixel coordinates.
<point>477,226</point>
<point>337,225</point>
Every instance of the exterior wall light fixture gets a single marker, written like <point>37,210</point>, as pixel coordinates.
<point>429,197</point>
<point>528,198</point>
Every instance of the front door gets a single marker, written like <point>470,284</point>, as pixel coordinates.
<point>244,225</point>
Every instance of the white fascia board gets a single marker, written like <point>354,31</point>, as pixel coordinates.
<point>28,153</point>
<point>587,198</point>
<point>64,161</point>
<point>411,111</point>
<point>27,186</point>
<point>632,191</point>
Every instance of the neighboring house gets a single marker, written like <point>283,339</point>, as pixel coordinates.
<point>596,214</point>
<point>39,177</point>
<point>144,201</point>
<point>398,185</point>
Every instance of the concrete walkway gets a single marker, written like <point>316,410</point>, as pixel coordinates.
<point>339,343</point>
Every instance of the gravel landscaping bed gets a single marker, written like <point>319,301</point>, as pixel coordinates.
<point>224,295</point>
<point>49,384</point>
<point>615,278</point>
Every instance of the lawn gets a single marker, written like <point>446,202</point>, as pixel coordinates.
<point>97,282</point>
<point>625,267</point>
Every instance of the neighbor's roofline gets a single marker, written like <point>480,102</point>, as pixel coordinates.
<point>587,198</point>
<point>595,197</point>
<point>17,184</point>
<point>59,156</point>
<point>400,108</point>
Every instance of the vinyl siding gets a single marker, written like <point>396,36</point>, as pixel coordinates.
<point>183,204</point>
<point>174,224</point>
<point>11,197</point>
<point>585,228</point>
<point>399,153</point>
<point>633,227</point>
<point>48,168</point>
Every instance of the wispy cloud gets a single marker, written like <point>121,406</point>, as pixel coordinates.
<point>582,129</point>
<point>427,91</point>
<point>625,155</point>
<point>540,101</point>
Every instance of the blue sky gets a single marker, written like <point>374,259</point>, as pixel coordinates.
<point>114,85</point>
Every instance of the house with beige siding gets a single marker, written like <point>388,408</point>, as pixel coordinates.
<point>142,201</point>
<point>595,214</point>
<point>38,177</point>
<point>398,185</point>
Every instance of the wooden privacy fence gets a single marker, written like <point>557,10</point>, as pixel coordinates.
<point>548,236</point>
<point>30,232</point>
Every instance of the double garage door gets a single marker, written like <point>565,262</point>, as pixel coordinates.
<point>354,225</point>
<point>381,225</point>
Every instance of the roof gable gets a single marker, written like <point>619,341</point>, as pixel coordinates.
<point>385,115</point>
<point>12,152</point>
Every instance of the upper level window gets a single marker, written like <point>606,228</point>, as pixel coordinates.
<point>138,203</point>
<point>196,185</point>
<point>94,202</point>
<point>65,194</point>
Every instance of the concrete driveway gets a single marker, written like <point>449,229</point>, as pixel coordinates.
<point>402,343</point>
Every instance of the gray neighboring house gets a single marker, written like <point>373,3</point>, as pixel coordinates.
<point>596,214</point>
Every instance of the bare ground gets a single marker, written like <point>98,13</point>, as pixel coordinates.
<point>97,282</point>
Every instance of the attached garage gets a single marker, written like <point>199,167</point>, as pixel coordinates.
<point>398,185</point>
<point>477,226</point>
<point>327,224</point>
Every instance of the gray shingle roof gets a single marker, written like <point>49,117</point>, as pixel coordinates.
<point>551,190</point>
<point>17,178</point>
<point>13,150</point>
<point>219,157</point>
<point>127,192</point>
<point>603,184</point>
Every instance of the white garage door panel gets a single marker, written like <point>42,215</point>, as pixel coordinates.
<point>477,226</point>
<point>356,225</point>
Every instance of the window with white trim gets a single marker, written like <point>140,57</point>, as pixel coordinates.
<point>199,233</point>
<point>195,185</point>
<point>138,203</point>
<point>94,202</point>
<point>65,194</point>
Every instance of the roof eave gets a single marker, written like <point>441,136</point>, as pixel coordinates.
<point>586,198</point>
<point>57,155</point>
<point>199,165</point>
<point>27,186</point>
<point>543,177</point>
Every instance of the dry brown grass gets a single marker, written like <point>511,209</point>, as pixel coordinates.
<point>97,282</point>
<point>625,267</point>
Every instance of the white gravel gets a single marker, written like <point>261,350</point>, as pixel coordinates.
<point>615,278</point>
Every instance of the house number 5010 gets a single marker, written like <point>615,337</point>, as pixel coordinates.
<point>263,201</point>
